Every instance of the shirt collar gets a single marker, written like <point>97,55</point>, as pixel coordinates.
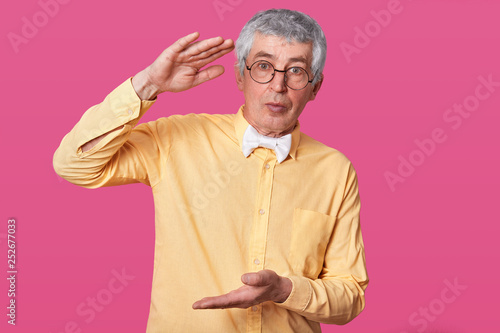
<point>241,124</point>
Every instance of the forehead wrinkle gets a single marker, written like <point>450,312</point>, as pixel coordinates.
<point>275,49</point>
<point>264,54</point>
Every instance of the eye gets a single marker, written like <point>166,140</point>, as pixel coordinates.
<point>295,70</point>
<point>263,65</point>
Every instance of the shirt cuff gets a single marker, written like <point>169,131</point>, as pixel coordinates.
<point>300,296</point>
<point>126,104</point>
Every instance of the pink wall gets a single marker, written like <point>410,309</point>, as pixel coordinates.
<point>428,171</point>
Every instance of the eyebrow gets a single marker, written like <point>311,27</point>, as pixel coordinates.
<point>270,56</point>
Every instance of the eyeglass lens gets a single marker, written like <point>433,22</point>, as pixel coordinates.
<point>263,72</point>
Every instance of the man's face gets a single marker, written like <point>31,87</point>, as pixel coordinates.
<point>273,108</point>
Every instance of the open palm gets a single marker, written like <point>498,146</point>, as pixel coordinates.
<point>178,67</point>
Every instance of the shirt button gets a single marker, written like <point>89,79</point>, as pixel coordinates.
<point>256,261</point>
<point>261,212</point>
<point>267,166</point>
<point>254,308</point>
<point>130,112</point>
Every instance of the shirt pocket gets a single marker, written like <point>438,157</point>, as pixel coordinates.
<point>311,232</point>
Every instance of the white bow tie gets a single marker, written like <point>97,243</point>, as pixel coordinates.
<point>252,139</point>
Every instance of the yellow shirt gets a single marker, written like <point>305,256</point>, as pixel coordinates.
<point>219,215</point>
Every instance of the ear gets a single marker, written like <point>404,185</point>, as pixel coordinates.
<point>239,77</point>
<point>316,88</point>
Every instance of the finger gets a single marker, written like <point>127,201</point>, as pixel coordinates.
<point>217,302</point>
<point>225,301</point>
<point>184,42</point>
<point>208,74</point>
<point>227,45</point>
<point>203,62</point>
<point>204,45</point>
<point>242,297</point>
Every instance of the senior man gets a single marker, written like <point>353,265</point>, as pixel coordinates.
<point>252,216</point>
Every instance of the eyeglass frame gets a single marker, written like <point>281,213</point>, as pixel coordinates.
<point>280,71</point>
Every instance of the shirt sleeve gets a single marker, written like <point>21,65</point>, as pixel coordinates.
<point>337,295</point>
<point>127,155</point>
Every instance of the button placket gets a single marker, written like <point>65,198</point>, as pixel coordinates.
<point>258,241</point>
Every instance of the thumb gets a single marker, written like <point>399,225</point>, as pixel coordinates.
<point>208,74</point>
<point>250,279</point>
<point>260,278</point>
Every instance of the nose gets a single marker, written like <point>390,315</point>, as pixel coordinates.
<point>277,84</point>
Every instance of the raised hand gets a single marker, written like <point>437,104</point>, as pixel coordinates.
<point>258,287</point>
<point>178,67</point>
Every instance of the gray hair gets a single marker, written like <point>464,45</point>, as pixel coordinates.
<point>289,24</point>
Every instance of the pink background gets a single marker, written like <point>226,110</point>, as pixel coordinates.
<point>440,224</point>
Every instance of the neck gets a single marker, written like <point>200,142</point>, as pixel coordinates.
<point>271,133</point>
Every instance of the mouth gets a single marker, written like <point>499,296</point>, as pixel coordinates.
<point>276,107</point>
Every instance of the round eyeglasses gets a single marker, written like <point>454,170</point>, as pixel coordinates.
<point>262,71</point>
